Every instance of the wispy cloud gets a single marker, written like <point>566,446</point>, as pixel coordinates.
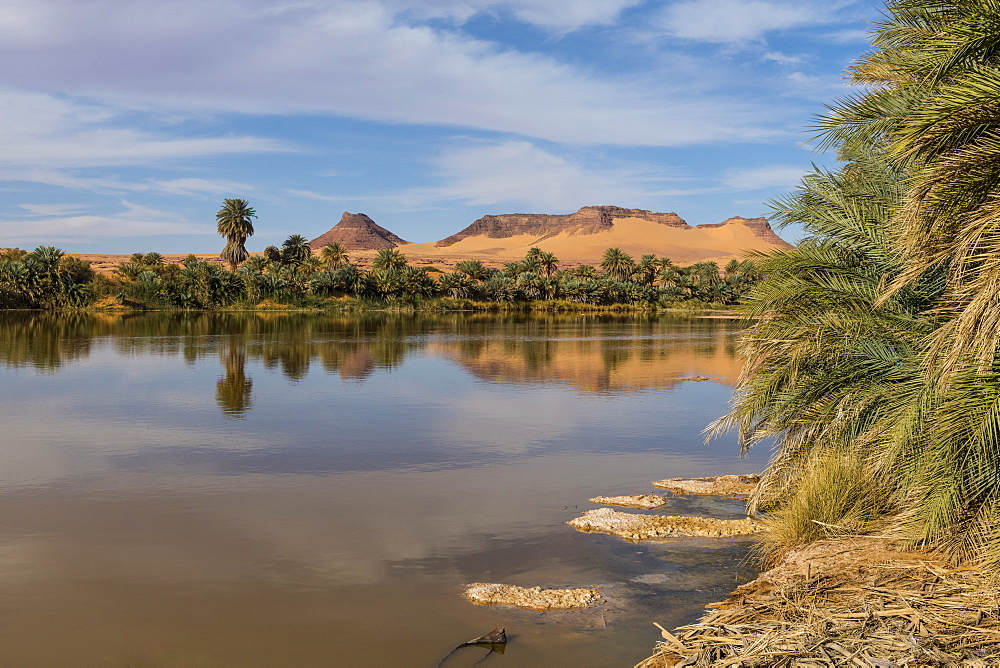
<point>42,129</point>
<point>734,21</point>
<point>522,174</point>
<point>355,58</point>
<point>133,220</point>
<point>759,178</point>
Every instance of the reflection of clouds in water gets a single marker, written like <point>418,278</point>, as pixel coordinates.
<point>310,531</point>
<point>507,423</point>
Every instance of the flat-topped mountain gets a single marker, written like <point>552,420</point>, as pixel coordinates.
<point>588,220</point>
<point>356,231</point>
<point>576,238</point>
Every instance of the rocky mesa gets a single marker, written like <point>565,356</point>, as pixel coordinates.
<point>588,220</point>
<point>579,237</point>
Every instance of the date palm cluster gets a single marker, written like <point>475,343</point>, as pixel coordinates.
<point>873,361</point>
<point>292,274</point>
<point>43,278</point>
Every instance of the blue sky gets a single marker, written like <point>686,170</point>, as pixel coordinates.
<point>124,123</point>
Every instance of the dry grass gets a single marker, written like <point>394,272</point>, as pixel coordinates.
<point>855,602</point>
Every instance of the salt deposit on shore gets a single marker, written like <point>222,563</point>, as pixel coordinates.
<point>534,598</point>
<point>635,527</point>
<point>729,486</point>
<point>643,501</point>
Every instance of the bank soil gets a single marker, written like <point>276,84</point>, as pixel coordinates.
<point>858,602</point>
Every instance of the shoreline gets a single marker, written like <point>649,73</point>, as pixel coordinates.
<point>846,602</point>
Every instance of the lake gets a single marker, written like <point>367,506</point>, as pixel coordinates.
<point>286,489</point>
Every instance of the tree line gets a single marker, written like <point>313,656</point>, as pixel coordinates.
<point>293,275</point>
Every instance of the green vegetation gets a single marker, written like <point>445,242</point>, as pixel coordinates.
<point>44,278</point>
<point>235,225</point>
<point>293,277</point>
<point>873,360</point>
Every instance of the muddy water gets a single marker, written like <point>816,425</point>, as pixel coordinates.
<point>291,490</point>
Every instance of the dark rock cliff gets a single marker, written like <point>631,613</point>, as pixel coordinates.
<point>588,220</point>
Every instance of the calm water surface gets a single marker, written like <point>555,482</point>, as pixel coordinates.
<point>308,490</point>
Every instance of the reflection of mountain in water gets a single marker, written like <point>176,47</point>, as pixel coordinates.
<point>601,354</point>
<point>591,352</point>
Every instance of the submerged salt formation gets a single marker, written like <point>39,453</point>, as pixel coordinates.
<point>534,598</point>
<point>643,501</point>
<point>729,486</point>
<point>635,527</point>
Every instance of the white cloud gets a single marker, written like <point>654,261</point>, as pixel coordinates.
<point>522,174</point>
<point>759,178</point>
<point>733,21</point>
<point>182,186</point>
<point>348,57</point>
<point>52,209</point>
<point>782,58</point>
<point>320,197</point>
<point>40,129</point>
<point>133,221</point>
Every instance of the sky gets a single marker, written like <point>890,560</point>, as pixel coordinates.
<point>124,124</point>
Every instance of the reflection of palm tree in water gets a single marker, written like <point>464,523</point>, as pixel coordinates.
<point>234,389</point>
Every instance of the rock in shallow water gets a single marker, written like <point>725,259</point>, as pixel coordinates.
<point>534,598</point>
<point>634,527</point>
<point>644,501</point>
<point>729,486</point>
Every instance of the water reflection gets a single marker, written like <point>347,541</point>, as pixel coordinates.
<point>593,353</point>
<point>279,489</point>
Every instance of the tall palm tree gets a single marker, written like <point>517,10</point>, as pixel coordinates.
<point>234,222</point>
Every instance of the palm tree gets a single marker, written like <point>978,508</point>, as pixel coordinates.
<point>929,105</point>
<point>645,271</point>
<point>389,258</point>
<point>833,364</point>
<point>295,249</point>
<point>474,269</point>
<point>334,255</point>
<point>235,225</point>
<point>617,264</point>
<point>549,262</point>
